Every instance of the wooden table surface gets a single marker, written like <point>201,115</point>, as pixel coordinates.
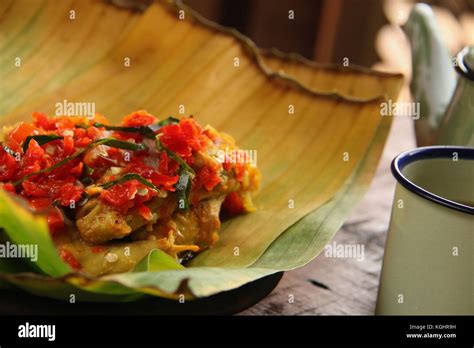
<point>335,286</point>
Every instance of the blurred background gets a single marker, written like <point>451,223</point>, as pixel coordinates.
<point>329,30</point>
<point>367,32</point>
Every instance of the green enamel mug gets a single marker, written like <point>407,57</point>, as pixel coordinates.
<point>428,265</point>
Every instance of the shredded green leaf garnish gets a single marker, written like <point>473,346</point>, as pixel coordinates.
<point>167,121</point>
<point>128,177</point>
<point>120,144</point>
<point>40,139</point>
<point>86,173</point>
<point>184,184</point>
<point>87,181</point>
<point>112,142</point>
<point>86,170</point>
<point>174,156</point>
<point>147,131</point>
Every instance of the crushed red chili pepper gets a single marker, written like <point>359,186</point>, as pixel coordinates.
<point>141,180</point>
<point>67,257</point>
<point>183,138</point>
<point>97,249</point>
<point>60,173</point>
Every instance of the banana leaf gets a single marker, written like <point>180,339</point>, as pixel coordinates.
<point>318,143</point>
<point>345,78</point>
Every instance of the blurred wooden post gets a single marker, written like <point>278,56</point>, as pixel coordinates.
<point>327,27</point>
<point>210,9</point>
<point>347,28</point>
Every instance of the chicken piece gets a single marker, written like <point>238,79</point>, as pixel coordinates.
<point>200,225</point>
<point>98,222</point>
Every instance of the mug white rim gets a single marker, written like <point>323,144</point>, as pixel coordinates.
<point>430,152</point>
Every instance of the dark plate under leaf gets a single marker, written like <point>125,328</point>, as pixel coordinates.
<point>224,303</point>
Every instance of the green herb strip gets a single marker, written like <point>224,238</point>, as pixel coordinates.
<point>184,184</point>
<point>174,156</point>
<point>125,145</point>
<point>128,177</point>
<point>112,142</point>
<point>86,170</point>
<point>40,139</point>
<point>147,131</point>
<point>86,173</point>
